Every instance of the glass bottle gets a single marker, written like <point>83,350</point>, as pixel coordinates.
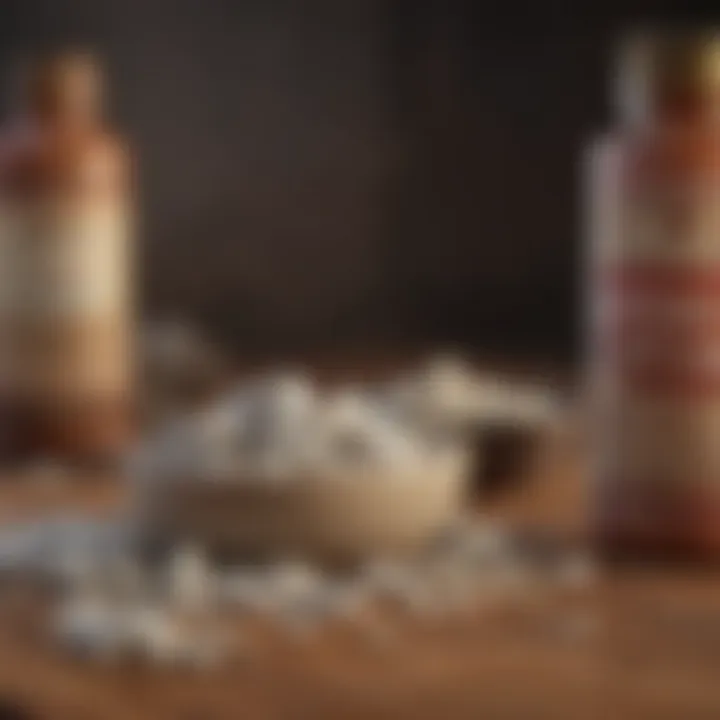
<point>65,268</point>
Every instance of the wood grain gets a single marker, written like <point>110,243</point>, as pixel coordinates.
<point>643,643</point>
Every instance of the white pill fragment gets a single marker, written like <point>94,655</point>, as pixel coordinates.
<point>278,411</point>
<point>21,548</point>
<point>74,567</point>
<point>488,540</point>
<point>282,403</point>
<point>447,390</point>
<point>246,589</point>
<point>504,402</point>
<point>478,541</point>
<point>400,583</point>
<point>219,426</point>
<point>384,574</point>
<point>153,634</point>
<point>191,579</point>
<point>292,580</point>
<point>359,437</point>
<point>292,397</point>
<point>157,634</point>
<point>349,407</point>
<point>399,398</point>
<point>90,627</point>
<point>297,597</point>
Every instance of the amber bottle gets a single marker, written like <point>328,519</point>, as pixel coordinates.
<point>654,350</point>
<point>65,268</point>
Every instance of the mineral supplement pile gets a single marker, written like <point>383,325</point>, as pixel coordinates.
<point>312,455</point>
<point>280,427</point>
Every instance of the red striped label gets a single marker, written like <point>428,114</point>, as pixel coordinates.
<point>661,328</point>
<point>663,281</point>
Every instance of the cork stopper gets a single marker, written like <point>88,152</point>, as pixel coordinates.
<point>64,86</point>
<point>669,73</point>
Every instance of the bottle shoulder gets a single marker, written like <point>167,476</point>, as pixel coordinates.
<point>660,151</point>
<point>46,161</point>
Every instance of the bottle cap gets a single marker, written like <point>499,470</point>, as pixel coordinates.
<point>65,86</point>
<point>672,72</point>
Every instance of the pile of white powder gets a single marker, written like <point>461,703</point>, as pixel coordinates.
<point>282,426</point>
<point>114,604</point>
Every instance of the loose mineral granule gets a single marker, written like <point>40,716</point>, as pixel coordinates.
<point>91,627</point>
<point>191,579</point>
<point>103,621</point>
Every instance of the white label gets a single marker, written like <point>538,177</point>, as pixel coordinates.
<point>64,299</point>
<point>63,262</point>
<point>656,341</point>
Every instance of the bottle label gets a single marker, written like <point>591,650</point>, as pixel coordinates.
<point>64,297</point>
<point>655,354</point>
<point>62,262</point>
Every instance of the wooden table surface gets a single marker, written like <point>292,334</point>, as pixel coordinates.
<point>642,643</point>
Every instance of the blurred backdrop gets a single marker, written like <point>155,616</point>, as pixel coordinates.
<point>324,172</point>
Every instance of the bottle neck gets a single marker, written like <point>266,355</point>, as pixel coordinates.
<point>65,92</point>
<point>63,124</point>
<point>687,109</point>
<point>668,79</point>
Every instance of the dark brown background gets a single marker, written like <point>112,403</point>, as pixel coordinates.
<point>333,172</point>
